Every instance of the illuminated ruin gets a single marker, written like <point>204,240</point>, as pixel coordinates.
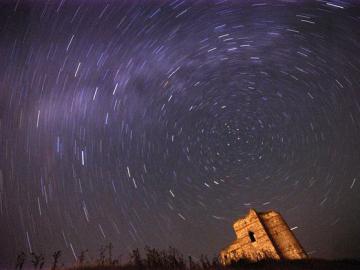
<point>263,235</point>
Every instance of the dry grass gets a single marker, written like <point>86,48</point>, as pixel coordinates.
<point>172,259</point>
<point>312,264</point>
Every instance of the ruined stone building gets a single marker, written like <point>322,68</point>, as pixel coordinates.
<point>262,235</point>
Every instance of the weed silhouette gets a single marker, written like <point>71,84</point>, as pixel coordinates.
<point>56,255</point>
<point>37,260</point>
<point>20,260</point>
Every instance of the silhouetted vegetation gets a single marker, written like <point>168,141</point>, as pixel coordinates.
<point>56,255</point>
<point>172,259</point>
<point>20,260</point>
<point>37,260</point>
<point>81,257</point>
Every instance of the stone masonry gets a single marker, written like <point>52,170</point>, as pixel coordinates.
<point>260,236</point>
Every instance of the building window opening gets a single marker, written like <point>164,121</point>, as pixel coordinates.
<point>252,236</point>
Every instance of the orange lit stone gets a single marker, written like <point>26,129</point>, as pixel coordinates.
<point>262,236</point>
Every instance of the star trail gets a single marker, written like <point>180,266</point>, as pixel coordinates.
<point>161,122</point>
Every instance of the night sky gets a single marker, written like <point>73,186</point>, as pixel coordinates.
<point>161,122</point>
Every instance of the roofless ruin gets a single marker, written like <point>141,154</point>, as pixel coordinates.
<point>262,235</point>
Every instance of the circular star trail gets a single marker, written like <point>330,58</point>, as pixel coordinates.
<point>161,122</point>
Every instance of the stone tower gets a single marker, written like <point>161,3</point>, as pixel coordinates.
<point>260,236</point>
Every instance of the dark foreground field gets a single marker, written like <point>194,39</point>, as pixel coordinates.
<point>171,259</point>
<point>313,264</point>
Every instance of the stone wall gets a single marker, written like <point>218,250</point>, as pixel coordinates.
<point>282,237</point>
<point>262,235</point>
